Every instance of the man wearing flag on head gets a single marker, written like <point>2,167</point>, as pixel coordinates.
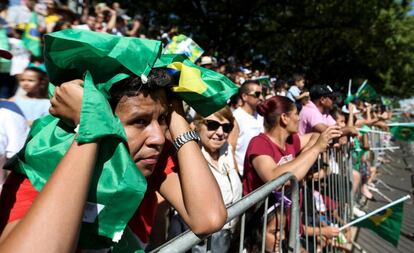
<point>96,174</point>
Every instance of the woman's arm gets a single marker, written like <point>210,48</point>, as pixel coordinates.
<point>268,170</point>
<point>193,192</point>
<point>52,224</point>
<point>308,140</point>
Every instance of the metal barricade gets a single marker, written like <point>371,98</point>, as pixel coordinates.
<point>188,239</point>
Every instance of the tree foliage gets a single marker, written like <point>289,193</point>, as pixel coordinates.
<point>329,41</point>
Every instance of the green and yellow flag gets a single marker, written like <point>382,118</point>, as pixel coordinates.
<point>386,224</point>
<point>402,131</point>
<point>366,92</point>
<point>31,36</point>
<point>181,44</point>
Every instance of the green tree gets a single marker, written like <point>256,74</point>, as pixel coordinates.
<point>329,41</point>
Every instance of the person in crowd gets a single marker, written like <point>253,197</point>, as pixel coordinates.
<point>21,14</point>
<point>248,122</point>
<point>34,103</point>
<point>315,115</point>
<point>283,144</point>
<point>13,133</point>
<point>297,83</point>
<point>281,87</point>
<point>144,111</point>
<point>214,131</point>
<point>276,151</point>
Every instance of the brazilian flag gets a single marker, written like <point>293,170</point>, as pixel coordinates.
<point>31,36</point>
<point>386,224</point>
<point>403,131</point>
<point>366,92</point>
<point>181,44</point>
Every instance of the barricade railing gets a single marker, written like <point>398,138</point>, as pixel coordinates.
<point>188,239</point>
<point>329,193</point>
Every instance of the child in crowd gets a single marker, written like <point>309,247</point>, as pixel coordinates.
<point>34,102</point>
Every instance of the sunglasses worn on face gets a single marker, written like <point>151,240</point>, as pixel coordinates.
<point>255,94</point>
<point>213,125</point>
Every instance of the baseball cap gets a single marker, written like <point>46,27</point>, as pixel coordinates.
<point>318,91</point>
<point>5,54</point>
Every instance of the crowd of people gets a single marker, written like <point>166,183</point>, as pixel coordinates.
<point>198,165</point>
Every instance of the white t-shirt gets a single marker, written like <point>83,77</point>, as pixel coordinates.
<point>250,126</point>
<point>13,133</point>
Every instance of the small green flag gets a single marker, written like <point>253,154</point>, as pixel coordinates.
<point>366,92</point>
<point>263,80</point>
<point>181,44</point>
<point>386,224</point>
<point>31,36</point>
<point>403,132</point>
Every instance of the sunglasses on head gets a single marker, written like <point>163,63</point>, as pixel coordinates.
<point>213,125</point>
<point>255,94</point>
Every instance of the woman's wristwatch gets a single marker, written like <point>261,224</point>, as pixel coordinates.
<point>184,138</point>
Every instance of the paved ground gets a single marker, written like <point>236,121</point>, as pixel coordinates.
<point>398,176</point>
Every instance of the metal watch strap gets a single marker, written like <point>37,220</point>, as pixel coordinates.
<point>184,138</point>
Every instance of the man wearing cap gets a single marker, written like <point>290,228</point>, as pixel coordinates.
<point>314,116</point>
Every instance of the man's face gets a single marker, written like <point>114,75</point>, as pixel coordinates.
<point>144,119</point>
<point>254,96</point>
<point>91,21</point>
<point>327,102</point>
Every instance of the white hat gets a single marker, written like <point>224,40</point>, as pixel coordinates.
<point>345,110</point>
<point>206,60</point>
<point>5,54</point>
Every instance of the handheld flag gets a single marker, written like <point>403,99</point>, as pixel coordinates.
<point>366,92</point>
<point>386,224</point>
<point>402,131</point>
<point>385,221</point>
<point>349,96</point>
<point>263,80</point>
<point>181,44</point>
<point>31,36</point>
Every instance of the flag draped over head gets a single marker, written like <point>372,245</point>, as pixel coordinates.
<point>102,60</point>
<point>402,131</point>
<point>366,92</point>
<point>31,36</point>
<point>181,44</point>
<point>386,224</point>
<point>203,89</point>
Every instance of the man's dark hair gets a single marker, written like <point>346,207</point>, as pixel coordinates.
<point>244,88</point>
<point>132,86</point>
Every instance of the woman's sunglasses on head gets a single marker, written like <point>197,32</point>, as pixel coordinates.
<point>213,125</point>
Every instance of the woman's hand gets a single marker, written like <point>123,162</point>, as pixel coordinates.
<point>325,138</point>
<point>66,103</point>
